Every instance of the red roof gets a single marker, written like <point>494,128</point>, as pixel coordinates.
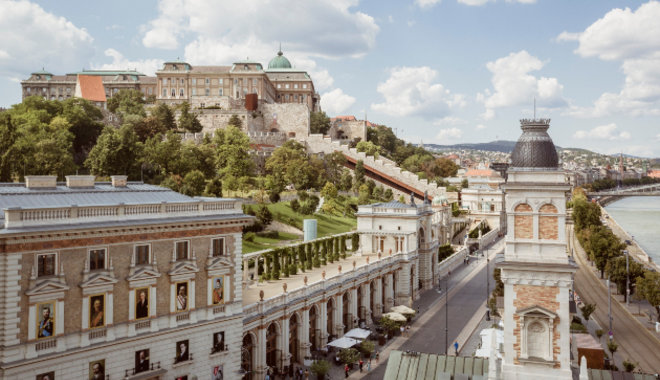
<point>261,146</point>
<point>90,87</point>
<point>479,173</point>
<point>343,118</point>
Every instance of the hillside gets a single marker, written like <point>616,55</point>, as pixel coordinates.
<point>503,146</point>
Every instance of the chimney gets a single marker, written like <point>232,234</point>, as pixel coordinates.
<point>118,180</point>
<point>40,181</point>
<point>80,181</point>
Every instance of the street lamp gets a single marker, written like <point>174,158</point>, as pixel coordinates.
<point>487,282</point>
<point>446,313</point>
<point>625,252</point>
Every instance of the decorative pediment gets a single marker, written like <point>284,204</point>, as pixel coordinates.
<point>102,279</point>
<point>219,263</point>
<point>183,268</point>
<point>537,311</point>
<point>145,273</point>
<point>47,287</point>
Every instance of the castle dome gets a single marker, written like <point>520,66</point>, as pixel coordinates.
<point>534,149</point>
<point>279,62</point>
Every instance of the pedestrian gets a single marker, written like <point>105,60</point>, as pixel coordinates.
<point>306,374</point>
<point>361,363</point>
<point>401,329</point>
<point>346,370</point>
<point>369,366</point>
<point>377,355</point>
<point>300,373</point>
<point>407,330</point>
<point>267,377</point>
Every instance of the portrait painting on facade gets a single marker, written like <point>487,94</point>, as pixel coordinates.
<point>217,373</point>
<point>46,322</point>
<point>97,311</point>
<point>218,290</point>
<point>97,370</point>
<point>181,296</point>
<point>218,341</point>
<point>141,303</point>
<point>182,353</point>
<point>184,377</point>
<point>142,360</point>
<point>47,376</point>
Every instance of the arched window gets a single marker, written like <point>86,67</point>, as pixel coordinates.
<point>523,224</point>
<point>247,353</point>
<point>271,345</point>
<point>548,224</point>
<point>346,315</point>
<point>313,336</point>
<point>330,309</point>
<point>293,338</point>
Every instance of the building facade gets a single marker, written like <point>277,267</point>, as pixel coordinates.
<point>124,280</point>
<point>537,271</point>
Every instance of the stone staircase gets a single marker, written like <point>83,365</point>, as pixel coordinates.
<point>317,143</point>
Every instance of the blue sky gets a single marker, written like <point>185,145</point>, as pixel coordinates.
<point>438,71</point>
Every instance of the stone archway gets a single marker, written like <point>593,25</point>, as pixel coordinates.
<point>346,311</point>
<point>272,344</point>
<point>313,328</point>
<point>294,341</point>
<point>330,308</point>
<point>247,356</point>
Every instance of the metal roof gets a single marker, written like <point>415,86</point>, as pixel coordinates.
<point>391,204</point>
<point>535,149</point>
<point>17,195</point>
<point>414,365</point>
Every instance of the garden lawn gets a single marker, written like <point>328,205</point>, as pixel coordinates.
<point>325,224</point>
<point>262,242</point>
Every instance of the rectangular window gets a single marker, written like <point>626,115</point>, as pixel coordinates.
<point>295,85</point>
<point>181,93</point>
<point>181,248</point>
<point>194,81</point>
<point>279,85</point>
<point>174,92</point>
<point>194,91</point>
<point>183,81</point>
<point>220,92</point>
<point>304,85</point>
<point>28,90</point>
<point>208,92</point>
<point>235,82</point>
<point>164,82</point>
<point>218,247</point>
<point>254,81</point>
<point>142,254</point>
<point>46,264</point>
<point>220,81</point>
<point>97,259</point>
<point>164,93</point>
<point>151,91</point>
<point>208,81</point>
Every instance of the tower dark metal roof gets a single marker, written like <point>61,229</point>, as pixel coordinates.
<point>534,149</point>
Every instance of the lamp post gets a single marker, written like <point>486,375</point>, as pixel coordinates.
<point>609,306</point>
<point>625,252</point>
<point>447,314</point>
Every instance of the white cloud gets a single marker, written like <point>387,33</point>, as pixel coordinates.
<point>633,150</point>
<point>33,38</point>
<point>450,120</point>
<point>474,2</point>
<point>603,132</point>
<point>336,102</point>
<point>145,66</point>
<point>425,4</point>
<point>514,85</point>
<point>657,137</point>
<point>449,134</point>
<point>410,90</point>
<point>480,127</point>
<point>633,38</point>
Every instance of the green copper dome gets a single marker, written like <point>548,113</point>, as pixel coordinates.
<point>279,62</point>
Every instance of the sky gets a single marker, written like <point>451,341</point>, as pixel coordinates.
<point>435,71</point>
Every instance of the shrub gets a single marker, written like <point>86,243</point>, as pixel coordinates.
<point>348,355</point>
<point>249,236</point>
<point>578,327</point>
<point>307,208</point>
<point>320,368</point>
<point>269,234</point>
<point>295,205</point>
<point>293,269</point>
<point>367,347</point>
<point>302,195</point>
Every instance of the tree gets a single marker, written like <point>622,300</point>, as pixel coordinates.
<point>290,164</point>
<point>629,366</point>
<point>164,115</point>
<point>45,148</point>
<point>319,122</point>
<point>587,310</point>
<point>264,215</point>
<point>214,188</point>
<point>232,153</point>
<point>612,346</point>
<point>329,191</point>
<point>359,173</point>
<point>346,181</point>
<point>388,195</point>
<point>616,270</point>
<point>585,213</point>
<point>8,135</point>
<point>85,123</point>
<point>235,121</point>
<point>188,120</point>
<point>649,287</point>
<point>127,102</point>
<point>117,151</point>
<point>367,347</point>
<point>464,183</point>
<point>369,148</point>
<point>320,368</point>
<point>364,195</point>
<point>348,355</point>
<point>446,167</point>
<point>193,183</point>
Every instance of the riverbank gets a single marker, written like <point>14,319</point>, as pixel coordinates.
<point>634,249</point>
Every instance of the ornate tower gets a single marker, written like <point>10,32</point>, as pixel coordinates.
<point>536,271</point>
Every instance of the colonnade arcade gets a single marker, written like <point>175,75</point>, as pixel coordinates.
<point>284,339</point>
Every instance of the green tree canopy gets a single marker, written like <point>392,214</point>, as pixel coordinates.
<point>616,270</point>
<point>289,164</point>
<point>319,122</point>
<point>127,102</point>
<point>85,123</point>
<point>188,120</point>
<point>193,183</point>
<point>232,153</point>
<point>369,148</point>
<point>117,151</point>
<point>235,121</point>
<point>164,115</point>
<point>648,287</point>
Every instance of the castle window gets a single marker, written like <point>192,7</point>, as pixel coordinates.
<point>220,92</point>
<point>151,91</point>
<point>537,333</point>
<point>181,93</point>
<point>295,86</point>
<point>174,67</point>
<point>218,247</point>
<point>286,86</point>
<point>208,81</point>
<point>181,250</point>
<point>28,90</point>
<point>46,264</point>
<point>174,92</point>
<point>194,91</point>
<point>207,92</point>
<point>304,85</point>
<point>68,90</point>
<point>246,67</point>
<point>142,254</point>
<point>183,81</point>
<point>279,85</point>
<point>194,82</point>
<point>523,221</point>
<point>254,81</point>
<point>220,81</point>
<point>97,259</point>
<point>164,93</point>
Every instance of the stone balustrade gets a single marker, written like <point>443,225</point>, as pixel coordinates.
<point>17,217</point>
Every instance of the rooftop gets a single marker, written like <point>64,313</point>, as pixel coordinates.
<point>91,88</point>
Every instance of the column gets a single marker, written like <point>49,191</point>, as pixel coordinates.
<point>378,301</point>
<point>366,301</point>
<point>353,309</point>
<point>338,319</point>
<point>323,316</point>
<point>304,335</point>
<point>260,353</point>
<point>245,272</point>
<point>284,342</point>
<point>389,292</point>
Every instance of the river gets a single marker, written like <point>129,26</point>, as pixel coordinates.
<point>640,217</point>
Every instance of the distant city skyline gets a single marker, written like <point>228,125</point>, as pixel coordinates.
<point>442,72</point>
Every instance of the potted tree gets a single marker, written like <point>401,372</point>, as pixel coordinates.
<point>349,356</point>
<point>320,368</point>
<point>367,347</point>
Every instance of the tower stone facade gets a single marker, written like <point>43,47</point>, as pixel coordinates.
<point>537,272</point>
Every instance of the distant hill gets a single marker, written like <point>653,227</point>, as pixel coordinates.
<point>493,146</point>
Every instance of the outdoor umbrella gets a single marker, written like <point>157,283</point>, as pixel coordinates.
<point>396,317</point>
<point>358,334</point>
<point>344,342</point>
<point>401,309</point>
